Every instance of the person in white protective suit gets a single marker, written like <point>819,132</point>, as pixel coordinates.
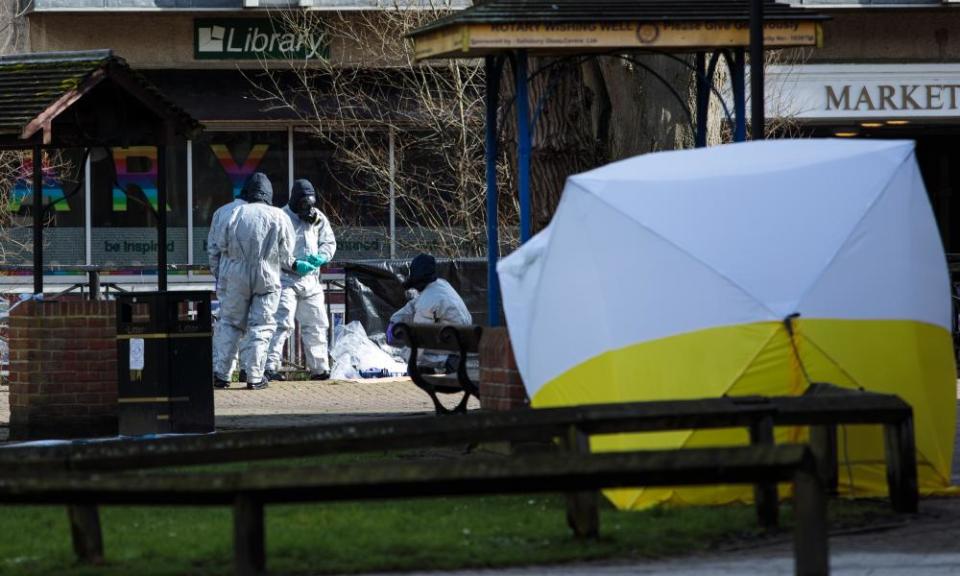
<point>301,298</point>
<point>255,244</point>
<point>436,303</point>
<point>217,225</point>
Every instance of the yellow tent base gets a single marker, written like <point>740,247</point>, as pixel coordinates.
<point>910,359</point>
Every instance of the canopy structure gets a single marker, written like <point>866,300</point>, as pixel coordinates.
<point>559,27</point>
<point>515,29</point>
<point>85,100</point>
<point>752,268</point>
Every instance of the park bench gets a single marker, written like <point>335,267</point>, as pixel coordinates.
<point>463,340</point>
<point>248,491</point>
<point>573,425</point>
<point>824,408</point>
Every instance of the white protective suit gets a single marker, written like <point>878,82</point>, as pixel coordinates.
<point>221,217</point>
<point>255,244</point>
<point>438,303</point>
<point>302,299</point>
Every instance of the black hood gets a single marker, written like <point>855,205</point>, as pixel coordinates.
<point>423,270</point>
<point>258,189</point>
<point>300,189</point>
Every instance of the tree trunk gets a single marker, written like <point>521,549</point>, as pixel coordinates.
<point>590,111</point>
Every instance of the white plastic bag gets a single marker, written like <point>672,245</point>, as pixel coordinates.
<point>355,355</point>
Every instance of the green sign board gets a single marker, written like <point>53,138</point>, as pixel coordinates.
<point>254,39</point>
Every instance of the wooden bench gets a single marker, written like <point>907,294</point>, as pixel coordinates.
<point>825,407</point>
<point>572,425</point>
<point>249,491</point>
<point>463,340</point>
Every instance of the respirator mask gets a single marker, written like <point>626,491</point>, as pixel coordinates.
<point>307,210</point>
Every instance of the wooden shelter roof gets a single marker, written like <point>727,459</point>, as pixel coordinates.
<point>565,26</point>
<point>48,98</point>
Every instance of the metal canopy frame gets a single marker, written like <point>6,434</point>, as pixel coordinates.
<point>72,115</point>
<point>506,29</point>
<point>734,59</point>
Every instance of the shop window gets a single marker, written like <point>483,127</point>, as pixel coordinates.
<point>64,197</point>
<point>358,207</point>
<point>124,200</point>
<point>222,162</point>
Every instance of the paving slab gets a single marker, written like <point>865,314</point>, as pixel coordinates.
<point>304,403</point>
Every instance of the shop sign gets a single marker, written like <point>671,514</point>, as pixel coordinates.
<point>254,39</point>
<point>855,91</point>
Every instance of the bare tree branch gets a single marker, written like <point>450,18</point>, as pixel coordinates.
<point>372,85</point>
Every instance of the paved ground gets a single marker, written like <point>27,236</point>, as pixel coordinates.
<point>303,403</point>
<point>300,403</point>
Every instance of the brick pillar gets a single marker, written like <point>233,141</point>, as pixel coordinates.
<point>501,387</point>
<point>63,369</point>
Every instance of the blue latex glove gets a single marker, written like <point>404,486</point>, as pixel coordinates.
<point>317,260</point>
<point>390,333</point>
<point>303,267</point>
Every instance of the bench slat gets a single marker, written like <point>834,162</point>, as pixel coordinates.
<point>864,408</point>
<point>392,434</point>
<point>533,473</point>
<point>415,432</point>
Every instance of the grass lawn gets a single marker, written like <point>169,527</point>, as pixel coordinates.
<point>357,537</point>
<point>372,536</point>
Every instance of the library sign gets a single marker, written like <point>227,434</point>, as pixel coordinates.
<point>254,39</point>
<point>857,91</point>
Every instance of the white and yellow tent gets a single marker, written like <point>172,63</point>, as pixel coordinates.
<point>671,275</point>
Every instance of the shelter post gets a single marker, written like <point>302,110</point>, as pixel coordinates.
<point>37,220</point>
<point>523,141</point>
<point>756,70</point>
<point>738,80</point>
<point>703,101</point>
<point>493,67</point>
<point>162,179</point>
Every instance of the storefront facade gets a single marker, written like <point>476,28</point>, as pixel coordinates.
<point>885,71</point>
<point>202,55</point>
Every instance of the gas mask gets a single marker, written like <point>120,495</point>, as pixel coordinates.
<point>307,211</point>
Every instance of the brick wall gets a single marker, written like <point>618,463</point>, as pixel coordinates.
<point>63,369</point>
<point>501,387</point>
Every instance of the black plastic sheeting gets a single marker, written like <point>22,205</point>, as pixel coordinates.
<point>374,291</point>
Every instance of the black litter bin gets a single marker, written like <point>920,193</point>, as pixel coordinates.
<point>164,363</point>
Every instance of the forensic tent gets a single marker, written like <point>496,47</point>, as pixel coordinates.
<point>752,268</point>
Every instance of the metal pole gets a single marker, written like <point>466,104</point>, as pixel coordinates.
<point>88,212</point>
<point>94,276</point>
<point>756,69</point>
<point>703,99</point>
<point>738,79</point>
<point>492,75</point>
<point>523,142</point>
<point>162,217</point>
<point>289,160</point>
<point>37,220</point>
<point>393,193</point>
<point>190,205</point>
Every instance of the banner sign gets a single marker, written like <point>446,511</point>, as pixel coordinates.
<point>564,36</point>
